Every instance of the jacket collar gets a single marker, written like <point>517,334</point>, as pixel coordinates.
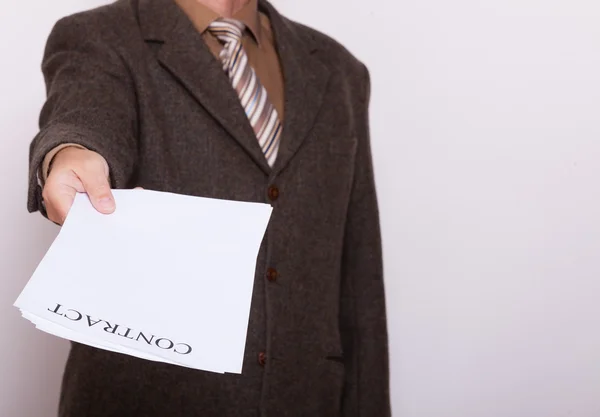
<point>186,56</point>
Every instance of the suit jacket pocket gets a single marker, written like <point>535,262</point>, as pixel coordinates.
<point>335,358</point>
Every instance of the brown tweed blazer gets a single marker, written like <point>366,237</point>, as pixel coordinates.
<point>135,82</point>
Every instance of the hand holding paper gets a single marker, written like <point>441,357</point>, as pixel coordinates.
<point>162,292</point>
<point>75,169</point>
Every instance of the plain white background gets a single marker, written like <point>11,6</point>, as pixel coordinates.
<point>486,139</point>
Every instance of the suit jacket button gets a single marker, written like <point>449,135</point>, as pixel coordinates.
<point>262,358</point>
<point>273,193</point>
<point>272,274</point>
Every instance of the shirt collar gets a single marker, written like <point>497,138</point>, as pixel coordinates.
<point>202,16</point>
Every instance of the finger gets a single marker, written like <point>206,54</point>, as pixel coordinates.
<point>138,188</point>
<point>58,199</point>
<point>93,175</point>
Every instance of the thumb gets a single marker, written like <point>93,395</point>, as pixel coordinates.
<point>96,185</point>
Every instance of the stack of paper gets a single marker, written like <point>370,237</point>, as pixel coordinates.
<point>166,277</point>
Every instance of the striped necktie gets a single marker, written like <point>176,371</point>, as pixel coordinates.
<point>253,96</point>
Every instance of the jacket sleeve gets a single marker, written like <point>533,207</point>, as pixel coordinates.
<point>91,102</point>
<point>363,309</point>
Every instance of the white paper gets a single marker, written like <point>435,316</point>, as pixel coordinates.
<point>56,330</point>
<point>173,269</point>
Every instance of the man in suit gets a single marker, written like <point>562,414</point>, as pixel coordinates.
<point>227,99</point>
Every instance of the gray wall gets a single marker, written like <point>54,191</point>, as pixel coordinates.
<point>486,137</point>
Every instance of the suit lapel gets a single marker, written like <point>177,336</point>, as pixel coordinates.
<point>306,80</point>
<point>186,56</point>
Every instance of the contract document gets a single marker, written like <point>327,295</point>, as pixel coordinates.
<point>166,278</point>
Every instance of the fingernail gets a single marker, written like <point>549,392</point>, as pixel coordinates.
<point>106,204</point>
